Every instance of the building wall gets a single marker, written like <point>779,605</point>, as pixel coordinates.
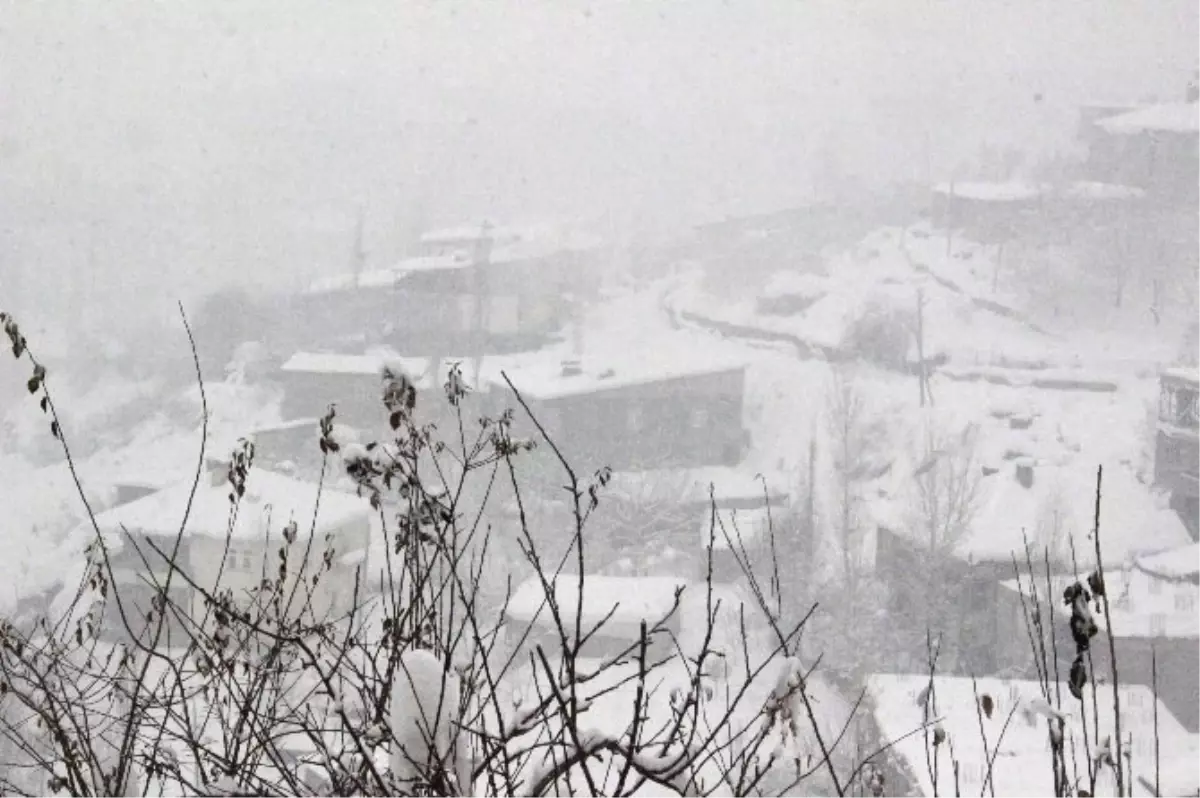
<point>679,423</point>
<point>134,580</point>
<point>964,606</point>
<point>248,562</point>
<point>1178,661</point>
<point>427,313</point>
<point>1178,657</point>
<point>359,397</point>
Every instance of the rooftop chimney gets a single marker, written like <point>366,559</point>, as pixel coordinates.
<point>1025,473</point>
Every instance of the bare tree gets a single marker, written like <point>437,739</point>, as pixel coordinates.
<point>849,434</point>
<point>945,494</point>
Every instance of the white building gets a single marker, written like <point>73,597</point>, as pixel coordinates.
<point>218,547</point>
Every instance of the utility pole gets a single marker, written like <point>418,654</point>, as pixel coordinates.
<point>482,261</point>
<point>358,256</point>
<point>948,217</point>
<point>922,375</point>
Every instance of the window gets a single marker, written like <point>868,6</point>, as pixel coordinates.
<point>1154,587</point>
<point>1158,625</point>
<point>699,418</point>
<point>241,558</point>
<point>1166,405</point>
<point>1185,600</point>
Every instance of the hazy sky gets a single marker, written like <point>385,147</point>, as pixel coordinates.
<point>163,146</point>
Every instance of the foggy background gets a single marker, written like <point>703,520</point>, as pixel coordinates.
<point>172,147</point>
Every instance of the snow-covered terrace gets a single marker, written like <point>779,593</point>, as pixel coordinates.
<point>1020,755</point>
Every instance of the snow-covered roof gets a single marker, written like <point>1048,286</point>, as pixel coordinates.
<point>1164,118</point>
<point>372,365</point>
<point>1167,611</point>
<point>541,377</point>
<point>1177,563</point>
<point>693,484</point>
<point>1019,753</point>
<point>1133,521</point>
<point>469,233</point>
<point>1012,191</point>
<point>270,501</point>
<point>1183,373</point>
<point>629,599</point>
<point>387,278</point>
<point>296,423</point>
<point>735,528</point>
<point>337,363</point>
<point>503,254</point>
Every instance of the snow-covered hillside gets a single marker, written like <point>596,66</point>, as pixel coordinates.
<point>1027,393</point>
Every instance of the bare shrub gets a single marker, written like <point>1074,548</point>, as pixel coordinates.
<point>408,691</point>
<point>881,334</point>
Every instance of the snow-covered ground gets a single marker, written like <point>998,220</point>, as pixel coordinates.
<point>974,313</point>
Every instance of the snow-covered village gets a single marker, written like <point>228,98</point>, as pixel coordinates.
<point>854,487</point>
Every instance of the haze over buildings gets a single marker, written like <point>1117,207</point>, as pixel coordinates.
<point>174,146</point>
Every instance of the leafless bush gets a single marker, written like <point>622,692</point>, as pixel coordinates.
<point>412,689</point>
<point>880,334</point>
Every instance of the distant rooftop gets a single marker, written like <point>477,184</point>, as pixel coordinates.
<point>1164,118</point>
<point>371,365</point>
<point>467,233</point>
<point>1185,373</point>
<point>1010,191</point>
<point>1102,191</point>
<point>503,253</point>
